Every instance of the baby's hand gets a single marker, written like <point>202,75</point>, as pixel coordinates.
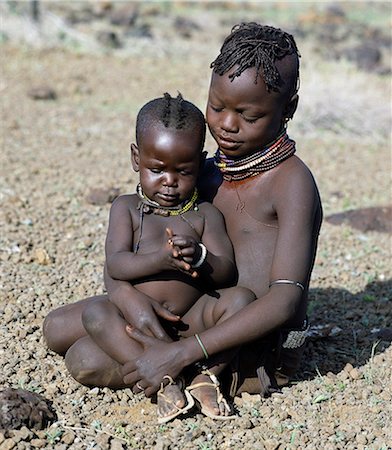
<point>185,249</point>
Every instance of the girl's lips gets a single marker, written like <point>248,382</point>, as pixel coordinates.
<point>227,143</point>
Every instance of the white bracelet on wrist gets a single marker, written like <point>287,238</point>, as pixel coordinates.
<point>202,258</point>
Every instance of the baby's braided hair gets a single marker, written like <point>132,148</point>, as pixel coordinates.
<point>172,112</point>
<point>260,46</point>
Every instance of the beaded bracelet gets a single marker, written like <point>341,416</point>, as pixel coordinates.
<point>202,258</point>
<point>202,346</point>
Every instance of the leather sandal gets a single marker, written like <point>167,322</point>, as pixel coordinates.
<point>219,397</point>
<point>178,411</point>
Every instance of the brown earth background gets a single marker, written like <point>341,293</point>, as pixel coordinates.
<point>72,80</point>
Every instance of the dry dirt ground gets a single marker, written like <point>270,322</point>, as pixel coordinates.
<point>56,152</point>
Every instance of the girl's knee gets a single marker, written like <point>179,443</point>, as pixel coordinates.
<point>95,315</point>
<point>51,330</point>
<point>92,368</point>
<point>80,366</point>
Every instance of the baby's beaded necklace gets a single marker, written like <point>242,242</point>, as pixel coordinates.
<point>148,206</point>
<point>249,166</point>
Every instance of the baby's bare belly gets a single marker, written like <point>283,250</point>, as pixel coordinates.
<point>177,296</point>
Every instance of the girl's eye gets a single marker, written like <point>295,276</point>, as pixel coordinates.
<point>216,108</point>
<point>249,119</point>
<point>155,170</point>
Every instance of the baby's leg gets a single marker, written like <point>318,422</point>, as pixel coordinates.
<point>206,313</point>
<point>63,326</point>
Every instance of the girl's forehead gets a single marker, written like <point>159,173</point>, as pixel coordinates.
<point>245,89</point>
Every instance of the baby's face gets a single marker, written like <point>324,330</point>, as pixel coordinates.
<point>243,116</point>
<point>168,161</point>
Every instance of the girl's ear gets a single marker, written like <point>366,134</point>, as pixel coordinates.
<point>135,157</point>
<point>291,107</point>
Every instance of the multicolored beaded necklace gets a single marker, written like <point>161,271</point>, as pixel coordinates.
<point>148,206</point>
<point>249,166</point>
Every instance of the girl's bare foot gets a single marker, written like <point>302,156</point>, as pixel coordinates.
<point>205,389</point>
<point>172,401</point>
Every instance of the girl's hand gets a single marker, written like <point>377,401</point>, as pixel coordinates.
<point>158,359</point>
<point>143,312</point>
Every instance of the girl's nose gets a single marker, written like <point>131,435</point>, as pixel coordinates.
<point>229,122</point>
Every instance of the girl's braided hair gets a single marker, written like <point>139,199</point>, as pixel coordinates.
<point>260,46</point>
<point>172,112</point>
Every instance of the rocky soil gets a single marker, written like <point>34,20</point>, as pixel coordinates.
<point>71,84</point>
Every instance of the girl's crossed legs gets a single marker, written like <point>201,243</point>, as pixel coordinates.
<point>91,334</point>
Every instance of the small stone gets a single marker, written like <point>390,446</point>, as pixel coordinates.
<point>348,368</point>
<point>41,257</point>
<point>361,439</point>
<point>94,391</point>
<point>385,334</point>
<point>38,443</point>
<point>116,444</point>
<point>108,38</point>
<point>355,374</point>
<point>271,444</point>
<point>68,437</point>
<point>8,444</point>
<point>42,93</point>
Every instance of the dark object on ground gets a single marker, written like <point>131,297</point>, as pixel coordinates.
<point>19,408</point>
<point>366,219</point>
<point>102,196</point>
<point>108,39</point>
<point>366,56</point>
<point>42,93</point>
<point>125,16</point>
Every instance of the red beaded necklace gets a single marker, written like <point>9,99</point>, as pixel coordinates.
<point>251,165</point>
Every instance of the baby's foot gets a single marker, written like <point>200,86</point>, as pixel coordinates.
<point>205,389</point>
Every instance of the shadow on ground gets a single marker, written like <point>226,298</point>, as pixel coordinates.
<point>364,320</point>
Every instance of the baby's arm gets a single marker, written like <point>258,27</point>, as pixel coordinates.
<point>138,309</point>
<point>216,261</point>
<point>122,262</point>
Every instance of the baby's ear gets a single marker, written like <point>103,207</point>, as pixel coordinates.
<point>135,157</point>
<point>291,107</point>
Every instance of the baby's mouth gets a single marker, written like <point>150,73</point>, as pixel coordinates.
<point>168,198</point>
